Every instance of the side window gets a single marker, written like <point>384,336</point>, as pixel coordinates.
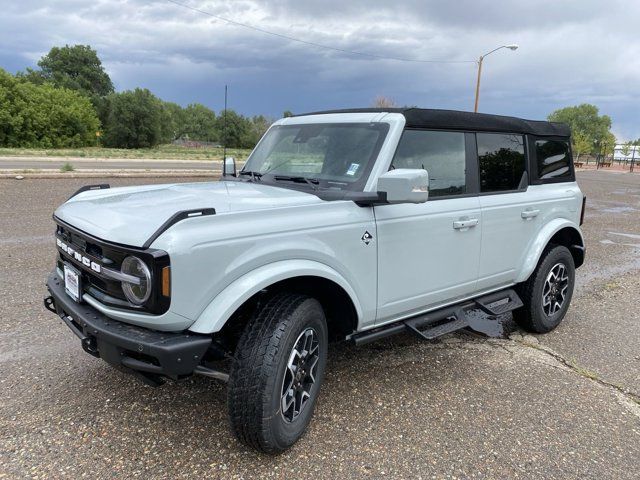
<point>502,161</point>
<point>553,159</point>
<point>442,154</point>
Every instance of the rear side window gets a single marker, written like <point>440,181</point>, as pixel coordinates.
<point>442,154</point>
<point>502,161</point>
<point>553,159</point>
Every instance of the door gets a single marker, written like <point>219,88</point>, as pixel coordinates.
<point>428,254</point>
<point>510,215</point>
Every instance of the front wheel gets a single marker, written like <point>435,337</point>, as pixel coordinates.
<point>277,371</point>
<point>547,293</point>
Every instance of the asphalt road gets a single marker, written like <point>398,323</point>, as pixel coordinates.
<point>52,163</point>
<point>561,405</point>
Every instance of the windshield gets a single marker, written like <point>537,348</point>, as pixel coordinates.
<point>329,155</point>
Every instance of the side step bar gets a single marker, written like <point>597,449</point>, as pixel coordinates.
<point>499,302</point>
<point>446,320</point>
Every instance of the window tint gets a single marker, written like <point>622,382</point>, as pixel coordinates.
<point>442,154</point>
<point>553,159</point>
<point>502,163</point>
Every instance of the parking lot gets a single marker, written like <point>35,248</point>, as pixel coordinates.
<point>561,405</point>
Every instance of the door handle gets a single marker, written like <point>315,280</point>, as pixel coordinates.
<point>465,223</point>
<point>529,214</point>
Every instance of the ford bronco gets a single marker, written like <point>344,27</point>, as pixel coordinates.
<point>342,225</point>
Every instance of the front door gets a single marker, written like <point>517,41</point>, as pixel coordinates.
<point>428,254</point>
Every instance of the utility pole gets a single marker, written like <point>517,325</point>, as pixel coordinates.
<point>224,127</point>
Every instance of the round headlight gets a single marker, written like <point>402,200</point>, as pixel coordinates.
<point>136,294</point>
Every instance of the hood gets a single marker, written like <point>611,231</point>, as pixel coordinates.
<point>130,215</point>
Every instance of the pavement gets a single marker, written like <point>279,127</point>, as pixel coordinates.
<point>561,405</point>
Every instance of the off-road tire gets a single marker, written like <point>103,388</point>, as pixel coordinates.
<point>532,316</point>
<point>259,367</point>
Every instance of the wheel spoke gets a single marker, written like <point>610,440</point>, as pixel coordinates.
<point>300,374</point>
<point>287,401</point>
<point>312,367</point>
<point>554,289</point>
<point>304,396</point>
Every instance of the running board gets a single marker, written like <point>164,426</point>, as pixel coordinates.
<point>499,302</point>
<point>430,331</point>
<point>432,325</point>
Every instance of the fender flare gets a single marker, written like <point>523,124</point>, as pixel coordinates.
<point>225,304</point>
<point>542,239</point>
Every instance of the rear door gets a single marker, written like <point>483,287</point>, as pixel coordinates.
<point>428,253</point>
<point>510,215</point>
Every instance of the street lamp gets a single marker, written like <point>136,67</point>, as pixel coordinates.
<point>510,47</point>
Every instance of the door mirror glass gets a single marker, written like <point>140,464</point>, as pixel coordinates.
<point>405,185</point>
<point>229,167</point>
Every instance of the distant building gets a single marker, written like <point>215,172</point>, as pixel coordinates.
<point>634,153</point>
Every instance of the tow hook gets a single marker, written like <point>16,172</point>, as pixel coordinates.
<point>50,304</point>
<point>89,345</point>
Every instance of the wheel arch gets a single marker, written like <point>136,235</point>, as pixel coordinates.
<point>236,302</point>
<point>559,232</point>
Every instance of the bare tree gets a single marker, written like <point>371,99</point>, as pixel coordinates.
<point>383,102</point>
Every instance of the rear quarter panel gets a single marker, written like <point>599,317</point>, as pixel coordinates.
<point>560,205</point>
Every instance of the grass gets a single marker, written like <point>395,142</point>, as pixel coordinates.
<point>582,371</point>
<point>169,152</point>
<point>67,167</point>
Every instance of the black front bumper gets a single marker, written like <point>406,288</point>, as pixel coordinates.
<point>149,353</point>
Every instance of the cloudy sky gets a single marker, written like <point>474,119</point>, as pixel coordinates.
<point>570,52</point>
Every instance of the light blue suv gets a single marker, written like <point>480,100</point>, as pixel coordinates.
<point>343,225</point>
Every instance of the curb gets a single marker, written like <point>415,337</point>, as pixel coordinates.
<point>27,159</point>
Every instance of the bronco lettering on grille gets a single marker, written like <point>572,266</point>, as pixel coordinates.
<point>73,253</point>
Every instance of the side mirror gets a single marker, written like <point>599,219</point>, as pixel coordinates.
<point>229,167</point>
<point>405,185</point>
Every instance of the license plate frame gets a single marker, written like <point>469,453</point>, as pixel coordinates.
<point>73,282</point>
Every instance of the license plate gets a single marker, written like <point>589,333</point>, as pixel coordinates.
<point>72,282</point>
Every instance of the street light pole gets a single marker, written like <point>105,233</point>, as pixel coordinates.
<point>510,47</point>
<point>475,108</point>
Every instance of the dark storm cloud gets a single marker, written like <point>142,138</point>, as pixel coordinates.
<point>571,52</point>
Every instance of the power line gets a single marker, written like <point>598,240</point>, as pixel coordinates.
<point>313,44</point>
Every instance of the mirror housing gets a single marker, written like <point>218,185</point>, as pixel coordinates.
<point>404,185</point>
<point>229,167</point>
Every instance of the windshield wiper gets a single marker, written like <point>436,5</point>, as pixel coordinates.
<point>254,175</point>
<point>311,181</point>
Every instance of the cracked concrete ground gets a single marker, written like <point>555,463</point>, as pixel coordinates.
<point>561,405</point>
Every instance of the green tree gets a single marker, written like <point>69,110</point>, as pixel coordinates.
<point>134,120</point>
<point>287,113</point>
<point>626,148</point>
<point>581,144</point>
<point>75,67</point>
<point>43,116</point>
<point>587,127</point>
<point>199,123</point>
<point>173,118</point>
<point>259,125</point>
<point>237,133</point>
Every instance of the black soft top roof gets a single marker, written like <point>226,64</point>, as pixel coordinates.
<point>457,120</point>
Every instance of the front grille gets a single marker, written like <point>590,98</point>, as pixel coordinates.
<point>108,255</point>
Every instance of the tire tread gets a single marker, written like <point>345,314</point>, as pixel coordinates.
<point>255,359</point>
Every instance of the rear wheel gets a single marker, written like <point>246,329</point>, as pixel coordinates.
<point>277,371</point>
<point>547,293</point>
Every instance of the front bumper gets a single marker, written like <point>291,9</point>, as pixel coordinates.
<point>148,353</point>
